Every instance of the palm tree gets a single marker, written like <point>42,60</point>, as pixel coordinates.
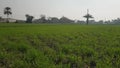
<point>7,11</point>
<point>87,16</point>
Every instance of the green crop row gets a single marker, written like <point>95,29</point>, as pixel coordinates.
<point>59,46</point>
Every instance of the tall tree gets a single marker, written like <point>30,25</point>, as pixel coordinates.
<point>88,16</point>
<point>29,18</point>
<point>43,18</point>
<point>7,11</point>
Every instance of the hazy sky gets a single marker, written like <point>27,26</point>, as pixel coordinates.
<point>73,9</point>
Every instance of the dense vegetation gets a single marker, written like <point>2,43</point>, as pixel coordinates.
<point>59,46</point>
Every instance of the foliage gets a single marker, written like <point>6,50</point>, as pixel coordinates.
<point>59,46</point>
<point>29,18</point>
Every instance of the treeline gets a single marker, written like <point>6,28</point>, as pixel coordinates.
<point>114,21</point>
<point>44,19</point>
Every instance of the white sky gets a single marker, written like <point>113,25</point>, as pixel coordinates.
<point>73,9</point>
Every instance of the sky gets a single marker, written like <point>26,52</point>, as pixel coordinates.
<point>73,9</point>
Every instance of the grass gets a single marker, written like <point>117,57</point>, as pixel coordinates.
<point>59,46</point>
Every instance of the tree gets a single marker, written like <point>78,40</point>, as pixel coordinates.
<point>7,11</point>
<point>43,19</point>
<point>116,21</point>
<point>87,16</point>
<point>29,18</point>
<point>53,20</point>
<point>0,18</point>
<point>65,20</point>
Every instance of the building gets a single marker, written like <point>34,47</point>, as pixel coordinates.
<point>9,19</point>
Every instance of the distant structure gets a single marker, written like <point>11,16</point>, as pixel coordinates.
<point>11,20</point>
<point>87,16</point>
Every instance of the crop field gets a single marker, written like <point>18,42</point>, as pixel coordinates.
<point>59,46</point>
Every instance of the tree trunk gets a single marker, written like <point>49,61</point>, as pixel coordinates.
<point>87,21</point>
<point>7,18</point>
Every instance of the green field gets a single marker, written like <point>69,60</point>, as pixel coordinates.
<point>59,46</point>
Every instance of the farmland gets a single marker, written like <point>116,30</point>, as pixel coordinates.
<point>59,46</point>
